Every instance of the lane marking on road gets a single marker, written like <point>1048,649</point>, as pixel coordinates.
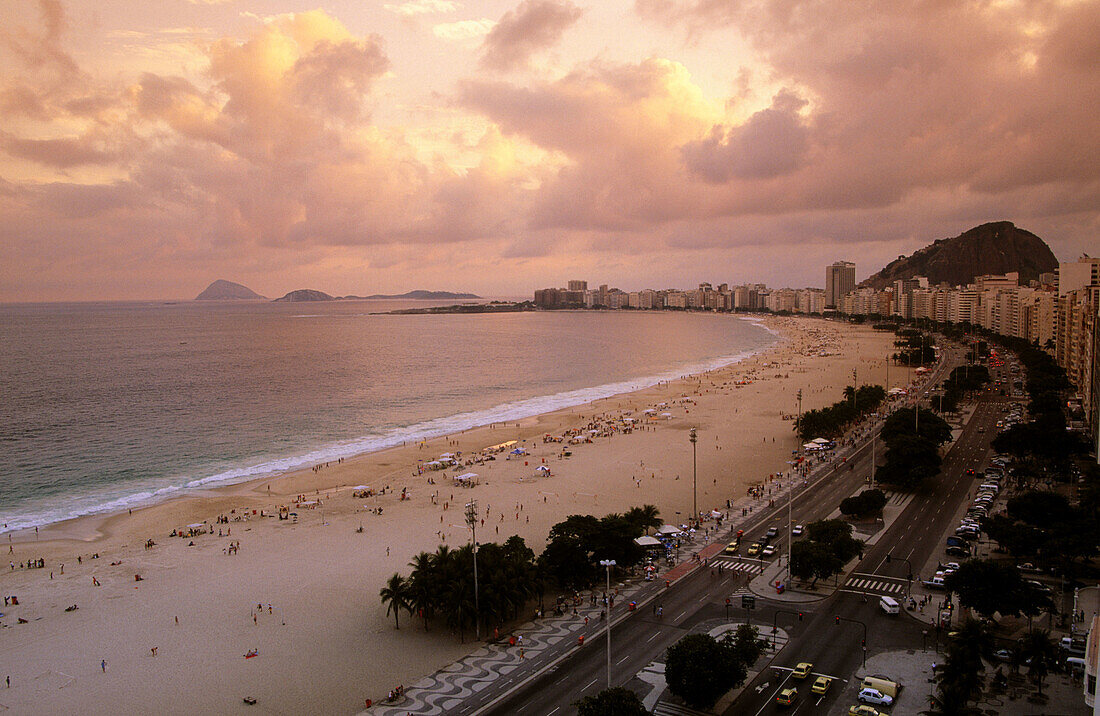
<point>622,660</point>
<point>556,709</point>
<point>655,635</point>
<point>589,685</point>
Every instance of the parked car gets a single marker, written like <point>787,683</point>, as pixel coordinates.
<point>1028,567</point>
<point>863,710</point>
<point>874,696</point>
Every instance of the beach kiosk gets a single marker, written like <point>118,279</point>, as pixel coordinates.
<point>466,479</point>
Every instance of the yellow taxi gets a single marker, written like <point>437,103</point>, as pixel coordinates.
<point>801,670</point>
<point>786,697</point>
<point>821,685</point>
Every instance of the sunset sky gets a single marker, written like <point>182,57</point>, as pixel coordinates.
<point>362,146</point>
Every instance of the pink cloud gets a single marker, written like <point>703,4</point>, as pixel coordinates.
<point>771,143</point>
<point>533,26</point>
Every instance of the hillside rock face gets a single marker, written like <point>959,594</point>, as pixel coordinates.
<point>306,294</point>
<point>995,248</point>
<point>222,290</point>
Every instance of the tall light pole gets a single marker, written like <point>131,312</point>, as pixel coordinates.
<point>471,520</point>
<point>609,563</point>
<point>694,475</point>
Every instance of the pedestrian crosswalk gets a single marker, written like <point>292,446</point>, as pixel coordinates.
<point>874,584</point>
<point>738,566</point>
<point>665,708</point>
<point>898,499</point>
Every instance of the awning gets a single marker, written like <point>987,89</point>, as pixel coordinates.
<point>465,476</point>
<point>647,541</point>
<point>668,530</point>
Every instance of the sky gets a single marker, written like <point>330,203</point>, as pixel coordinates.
<point>366,146</point>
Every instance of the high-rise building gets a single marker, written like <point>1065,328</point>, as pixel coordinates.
<point>578,285</point>
<point>840,280</point>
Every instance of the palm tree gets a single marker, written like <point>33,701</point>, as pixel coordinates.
<point>644,517</point>
<point>960,679</point>
<point>1037,646</point>
<point>395,595</point>
<point>422,586</point>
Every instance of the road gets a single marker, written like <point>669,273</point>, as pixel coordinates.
<point>835,649</point>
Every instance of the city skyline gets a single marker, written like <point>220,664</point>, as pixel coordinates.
<point>147,150</point>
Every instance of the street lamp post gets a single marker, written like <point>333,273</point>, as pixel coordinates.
<point>693,437</point>
<point>471,520</point>
<point>609,563</point>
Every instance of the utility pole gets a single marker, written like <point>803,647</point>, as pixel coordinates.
<point>694,475</point>
<point>471,520</point>
<point>609,563</point>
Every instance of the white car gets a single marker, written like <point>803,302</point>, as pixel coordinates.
<point>874,696</point>
<point>797,530</point>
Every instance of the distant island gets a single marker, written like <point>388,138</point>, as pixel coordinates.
<point>222,290</point>
<point>491,307</point>
<point>306,294</point>
<point>420,295</point>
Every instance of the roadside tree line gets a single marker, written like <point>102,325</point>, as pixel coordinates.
<point>441,584</point>
<point>831,422</point>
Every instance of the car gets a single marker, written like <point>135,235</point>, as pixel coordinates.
<point>754,549</point>
<point>1028,567</point>
<point>772,532</point>
<point>797,530</point>
<point>821,685</point>
<point>862,710</point>
<point>1038,586</point>
<point>874,696</point>
<point>732,548</point>
<point>786,697</point>
<point>1003,655</point>
<point>949,567</point>
<point>801,670</point>
<point>769,550</point>
<point>957,551</point>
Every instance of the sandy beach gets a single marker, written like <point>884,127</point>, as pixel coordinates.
<point>303,592</point>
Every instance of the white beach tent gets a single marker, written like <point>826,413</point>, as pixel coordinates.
<point>542,470</point>
<point>820,441</point>
<point>811,447</point>
<point>669,530</point>
<point>465,477</point>
<point>647,541</point>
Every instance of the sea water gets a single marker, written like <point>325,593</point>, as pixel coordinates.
<point>105,406</point>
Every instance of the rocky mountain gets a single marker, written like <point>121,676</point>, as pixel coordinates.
<point>995,248</point>
<point>222,290</point>
<point>306,294</point>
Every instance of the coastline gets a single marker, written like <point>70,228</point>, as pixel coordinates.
<point>322,576</point>
<point>84,525</point>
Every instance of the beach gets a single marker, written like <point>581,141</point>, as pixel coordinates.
<point>302,592</point>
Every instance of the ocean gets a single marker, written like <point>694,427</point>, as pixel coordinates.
<point>105,406</point>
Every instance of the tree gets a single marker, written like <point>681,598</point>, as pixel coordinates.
<point>813,560</point>
<point>910,461</point>
<point>929,426</point>
<point>989,587</point>
<point>699,668</point>
<point>643,518</point>
<point>617,701</point>
<point>959,681</point>
<point>1037,646</point>
<point>865,503</point>
<point>395,595</point>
